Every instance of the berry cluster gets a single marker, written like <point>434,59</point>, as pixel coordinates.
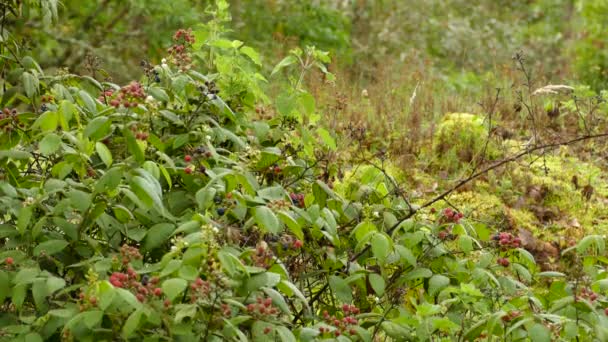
<point>504,262</point>
<point>224,204</point>
<point>11,114</point>
<point>144,289</point>
<point>446,234</point>
<point>507,241</point>
<point>179,51</point>
<point>345,325</point>
<point>279,204</point>
<point>199,289</point>
<point>86,301</point>
<point>288,242</point>
<point>128,96</point>
<point>263,255</point>
<point>129,253</point>
<point>451,216</point>
<point>139,134</point>
<point>511,315</point>
<point>262,308</point>
<point>586,293</point>
<point>297,199</point>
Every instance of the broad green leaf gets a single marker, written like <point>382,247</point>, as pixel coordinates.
<point>98,128</point>
<point>157,235</point>
<point>381,246</point>
<point>437,283</point>
<point>341,289</point>
<point>174,287</point>
<point>266,279</point>
<point>49,144</point>
<point>30,84</point>
<point>266,220</point>
<point>378,283</point>
<point>131,324</point>
<point>104,153</point>
<point>47,121</point>
<point>50,247</point>
<point>285,62</point>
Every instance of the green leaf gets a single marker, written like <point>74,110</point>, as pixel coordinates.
<point>266,279</point>
<point>285,62</point>
<point>89,103</point>
<point>378,283</point>
<point>381,246</point>
<point>131,324</point>
<point>204,197</point>
<point>104,153</point>
<point>341,289</point>
<point>47,121</point>
<point>159,94</point>
<point>266,220</point>
<point>98,128</point>
<point>157,235</point>
<point>285,335</point>
<point>15,154</point>
<point>437,283</point>
<point>129,298</point>
<point>91,318</point>
<point>33,337</point>
<point>23,219</point>
<point>50,247</point>
<point>67,110</point>
<point>174,287</point>
<point>252,54</point>
<point>133,146</point>
<point>30,84</point>
<point>291,224</point>
<point>539,333</point>
<point>327,139</point>
<point>277,299</point>
<point>49,144</point>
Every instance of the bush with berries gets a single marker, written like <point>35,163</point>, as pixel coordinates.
<point>167,209</point>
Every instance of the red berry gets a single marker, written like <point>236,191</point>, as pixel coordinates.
<point>93,300</point>
<point>267,330</point>
<point>298,244</point>
<point>188,170</point>
<point>140,297</point>
<point>158,292</point>
<point>167,303</point>
<point>448,212</point>
<point>352,331</point>
<point>9,261</point>
<point>187,158</point>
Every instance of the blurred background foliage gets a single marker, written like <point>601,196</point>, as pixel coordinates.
<point>454,39</point>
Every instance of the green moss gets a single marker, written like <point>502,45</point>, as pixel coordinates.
<point>460,139</point>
